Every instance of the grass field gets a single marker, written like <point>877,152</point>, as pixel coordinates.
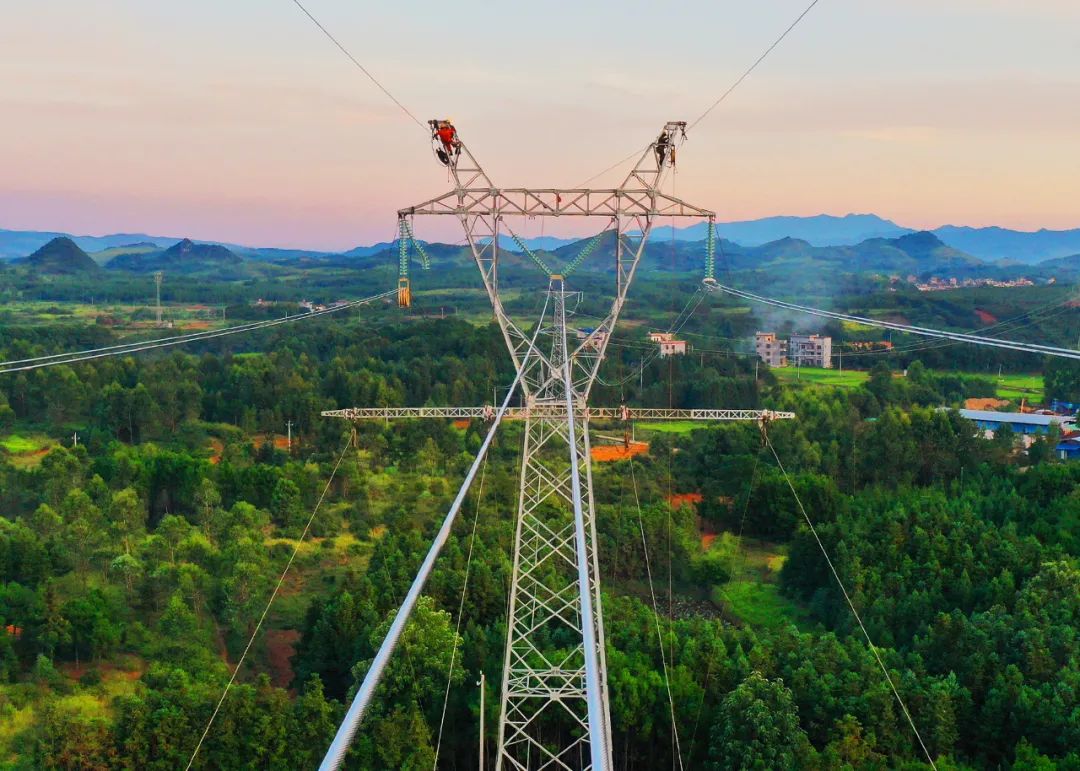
<point>1017,387</point>
<point>758,604</point>
<point>17,444</point>
<point>752,596</point>
<point>1009,386</point>
<point>824,377</point>
<point>25,451</point>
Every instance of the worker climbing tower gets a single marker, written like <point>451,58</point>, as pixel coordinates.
<point>554,700</point>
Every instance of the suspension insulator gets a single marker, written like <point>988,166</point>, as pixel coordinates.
<point>710,253</point>
<point>404,293</point>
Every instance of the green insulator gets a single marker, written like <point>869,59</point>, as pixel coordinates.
<point>584,253</point>
<point>535,258</point>
<point>710,251</point>
<point>403,248</point>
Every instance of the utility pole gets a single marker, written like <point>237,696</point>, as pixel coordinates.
<point>481,684</point>
<point>75,439</point>
<point>157,284</point>
<point>289,424</point>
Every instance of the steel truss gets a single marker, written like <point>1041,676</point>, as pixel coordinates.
<point>554,705</point>
<point>547,411</point>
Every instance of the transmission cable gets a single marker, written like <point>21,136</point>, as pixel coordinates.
<point>676,326</point>
<point>742,523</point>
<point>754,66</point>
<point>74,357</point>
<point>269,602</point>
<point>361,67</point>
<point>723,96</point>
<point>656,615</point>
<point>461,611</point>
<point>847,598</point>
<point>1067,353</point>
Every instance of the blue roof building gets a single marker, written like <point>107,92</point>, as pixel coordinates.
<point>1069,446</point>
<point>1019,422</point>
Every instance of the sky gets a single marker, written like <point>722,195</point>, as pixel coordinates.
<point>238,121</point>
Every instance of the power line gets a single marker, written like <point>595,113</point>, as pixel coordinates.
<point>1044,350</point>
<point>52,360</point>
<point>461,613</point>
<point>269,602</point>
<point>851,605</point>
<point>656,615</point>
<point>335,755</point>
<point>361,67</point>
<point>754,66</point>
<point>724,95</point>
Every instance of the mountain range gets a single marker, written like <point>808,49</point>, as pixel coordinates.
<point>185,256</point>
<point>990,244</point>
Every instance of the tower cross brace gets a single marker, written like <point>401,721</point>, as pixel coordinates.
<point>554,696</point>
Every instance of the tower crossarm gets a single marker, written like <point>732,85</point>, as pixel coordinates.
<point>553,411</point>
<point>556,202</point>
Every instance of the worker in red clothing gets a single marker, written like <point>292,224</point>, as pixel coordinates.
<point>444,131</point>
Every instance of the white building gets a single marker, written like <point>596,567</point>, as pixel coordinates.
<point>770,350</point>
<point>810,351</point>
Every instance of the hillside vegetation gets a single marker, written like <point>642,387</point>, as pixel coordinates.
<point>135,567</point>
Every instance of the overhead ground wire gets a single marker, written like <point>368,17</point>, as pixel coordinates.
<point>754,66</point>
<point>461,610</point>
<point>52,360</point>
<point>656,615</point>
<point>359,66</point>
<point>1045,350</point>
<point>850,604</point>
<point>738,82</point>
<point>269,602</point>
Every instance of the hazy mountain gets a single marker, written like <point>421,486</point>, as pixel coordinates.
<point>793,259</point>
<point>367,251</point>
<point>1059,268</point>
<point>996,243</point>
<point>822,230</point>
<point>105,255</point>
<point>990,244</point>
<point>186,256</point>
<point>61,255</point>
<point>16,243</point>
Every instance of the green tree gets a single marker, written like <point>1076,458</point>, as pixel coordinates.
<point>757,727</point>
<point>1061,379</point>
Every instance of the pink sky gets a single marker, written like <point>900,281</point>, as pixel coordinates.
<point>241,123</point>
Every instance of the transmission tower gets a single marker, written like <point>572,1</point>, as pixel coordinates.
<point>554,696</point>
<point>158,275</point>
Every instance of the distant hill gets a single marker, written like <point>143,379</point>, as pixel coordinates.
<point>367,251</point>
<point>145,247</point>
<point>16,243</point>
<point>995,243</point>
<point>60,256</point>
<point>185,256</point>
<point>990,244</point>
<point>1059,268</point>
<point>821,230</point>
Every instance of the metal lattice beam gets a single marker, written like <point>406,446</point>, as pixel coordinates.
<point>543,411</point>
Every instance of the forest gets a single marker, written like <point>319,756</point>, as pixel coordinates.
<point>136,562</point>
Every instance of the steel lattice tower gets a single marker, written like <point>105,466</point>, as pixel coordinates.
<point>554,705</point>
<point>554,700</point>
